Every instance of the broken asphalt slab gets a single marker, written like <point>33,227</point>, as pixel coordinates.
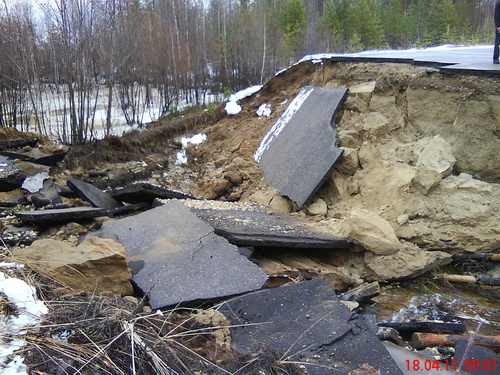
<point>18,143</point>
<point>41,159</point>
<point>182,258</point>
<point>93,195</point>
<point>299,151</point>
<point>307,324</point>
<point>258,228</point>
<point>144,192</point>
<point>60,215</point>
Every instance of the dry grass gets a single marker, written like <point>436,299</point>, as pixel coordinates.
<point>96,335</point>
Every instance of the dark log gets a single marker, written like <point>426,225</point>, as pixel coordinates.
<point>425,340</point>
<point>362,293</point>
<point>429,327</point>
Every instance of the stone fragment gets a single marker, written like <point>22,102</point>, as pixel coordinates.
<point>318,208</point>
<point>180,259</point>
<point>436,154</point>
<point>403,219</point>
<point>349,162</point>
<point>12,198</point>
<point>350,138</point>
<point>426,180</point>
<point>306,323</point>
<point>60,215</point>
<point>370,231</point>
<point>46,197</point>
<point>93,195</point>
<point>272,199</point>
<point>299,151</point>
<point>407,263</point>
<point>11,176</point>
<point>95,266</point>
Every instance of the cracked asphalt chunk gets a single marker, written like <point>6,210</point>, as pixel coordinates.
<point>184,260</point>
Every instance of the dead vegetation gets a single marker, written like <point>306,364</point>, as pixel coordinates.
<point>99,334</point>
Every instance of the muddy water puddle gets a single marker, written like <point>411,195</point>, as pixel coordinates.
<point>404,303</point>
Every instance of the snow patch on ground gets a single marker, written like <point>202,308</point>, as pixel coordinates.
<point>187,142</point>
<point>264,110</point>
<point>232,107</point>
<point>282,122</point>
<point>29,311</point>
<point>35,183</point>
<point>195,140</point>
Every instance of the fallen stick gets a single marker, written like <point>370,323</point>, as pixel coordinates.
<point>425,340</point>
<point>472,279</point>
<point>362,293</point>
<point>494,257</point>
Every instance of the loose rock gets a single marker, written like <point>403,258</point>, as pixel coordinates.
<point>409,262</point>
<point>369,230</point>
<point>426,180</point>
<point>95,266</point>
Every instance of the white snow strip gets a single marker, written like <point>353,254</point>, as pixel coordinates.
<point>244,93</point>
<point>282,122</point>
<point>264,110</point>
<point>232,107</point>
<point>29,311</point>
<point>35,182</point>
<point>11,265</point>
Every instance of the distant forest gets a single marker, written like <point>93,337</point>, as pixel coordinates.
<point>186,48</point>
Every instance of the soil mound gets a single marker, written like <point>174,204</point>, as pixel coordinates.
<point>398,126</point>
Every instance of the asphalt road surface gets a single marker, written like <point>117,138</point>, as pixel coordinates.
<point>451,59</point>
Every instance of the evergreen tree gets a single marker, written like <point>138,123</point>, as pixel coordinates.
<point>292,17</point>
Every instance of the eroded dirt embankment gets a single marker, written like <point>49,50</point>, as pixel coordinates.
<point>397,119</point>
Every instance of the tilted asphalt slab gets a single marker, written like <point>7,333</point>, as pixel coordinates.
<point>177,257</point>
<point>305,323</point>
<point>258,228</point>
<point>299,151</point>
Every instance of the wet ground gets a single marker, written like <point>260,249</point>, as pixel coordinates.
<point>426,300</point>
